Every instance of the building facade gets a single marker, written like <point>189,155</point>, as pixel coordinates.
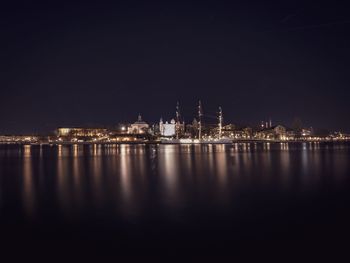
<point>277,132</point>
<point>138,127</point>
<point>167,129</point>
<point>81,132</point>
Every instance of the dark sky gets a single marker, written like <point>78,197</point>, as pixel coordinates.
<point>66,63</point>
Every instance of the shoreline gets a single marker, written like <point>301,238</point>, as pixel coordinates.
<point>172,143</point>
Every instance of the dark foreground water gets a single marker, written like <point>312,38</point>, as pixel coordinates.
<point>244,200</point>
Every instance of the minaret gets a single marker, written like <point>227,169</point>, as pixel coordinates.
<point>270,123</point>
<point>220,122</point>
<point>139,118</point>
<point>200,120</point>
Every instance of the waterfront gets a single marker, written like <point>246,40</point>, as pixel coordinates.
<point>173,197</point>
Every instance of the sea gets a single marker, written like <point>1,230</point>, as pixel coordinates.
<point>184,202</point>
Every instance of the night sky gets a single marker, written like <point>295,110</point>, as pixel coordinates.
<point>101,63</point>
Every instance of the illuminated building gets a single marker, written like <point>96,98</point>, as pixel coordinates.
<point>291,134</point>
<point>18,139</point>
<point>275,132</point>
<point>81,132</point>
<point>138,127</point>
<point>306,132</point>
<point>167,129</point>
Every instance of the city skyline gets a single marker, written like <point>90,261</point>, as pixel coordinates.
<point>208,119</point>
<point>176,131</point>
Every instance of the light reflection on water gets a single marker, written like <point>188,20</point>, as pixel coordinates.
<point>129,180</point>
<point>28,192</point>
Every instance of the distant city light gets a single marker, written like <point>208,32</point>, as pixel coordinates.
<point>178,132</point>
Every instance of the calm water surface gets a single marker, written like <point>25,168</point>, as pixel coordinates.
<point>172,198</point>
